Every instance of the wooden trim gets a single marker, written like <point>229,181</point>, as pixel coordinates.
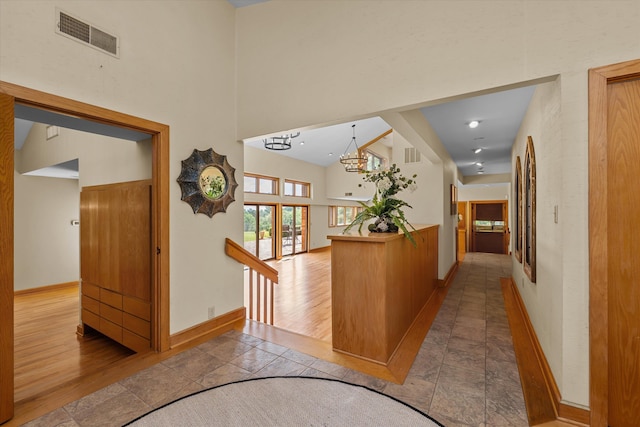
<point>47,288</point>
<point>376,139</point>
<point>573,414</point>
<point>210,329</point>
<point>599,79</point>
<point>159,134</point>
<point>6,256</point>
<point>448,278</point>
<point>538,385</point>
<point>245,257</point>
<point>321,249</point>
<point>275,184</point>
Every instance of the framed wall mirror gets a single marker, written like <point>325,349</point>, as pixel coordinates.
<point>208,182</point>
<point>517,217</point>
<point>529,220</point>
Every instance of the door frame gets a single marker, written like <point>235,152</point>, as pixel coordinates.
<point>304,236</point>
<point>599,80</point>
<point>11,94</point>
<point>505,217</point>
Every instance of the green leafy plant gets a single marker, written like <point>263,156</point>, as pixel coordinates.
<point>386,208</point>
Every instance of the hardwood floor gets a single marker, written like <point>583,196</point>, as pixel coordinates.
<point>48,352</point>
<point>303,296</point>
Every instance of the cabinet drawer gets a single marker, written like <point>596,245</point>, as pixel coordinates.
<point>111,330</point>
<point>111,314</point>
<point>136,307</point>
<point>90,290</point>
<point>111,298</point>
<point>135,342</point>
<point>136,325</point>
<point>91,304</point>
<point>91,319</point>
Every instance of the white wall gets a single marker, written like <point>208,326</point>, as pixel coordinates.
<point>392,56</point>
<point>46,245</point>
<point>213,83</point>
<point>544,300</point>
<point>468,193</point>
<point>177,67</point>
<point>263,162</point>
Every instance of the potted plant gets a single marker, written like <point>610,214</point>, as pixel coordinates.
<point>386,208</point>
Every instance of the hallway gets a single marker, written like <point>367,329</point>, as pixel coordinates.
<point>464,375</point>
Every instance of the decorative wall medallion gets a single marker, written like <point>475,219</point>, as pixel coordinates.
<point>207,182</point>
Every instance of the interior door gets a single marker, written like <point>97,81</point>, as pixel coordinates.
<point>6,257</point>
<point>623,245</point>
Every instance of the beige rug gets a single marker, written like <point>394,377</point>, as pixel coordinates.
<point>286,401</point>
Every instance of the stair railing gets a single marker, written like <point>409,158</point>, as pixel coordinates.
<point>262,277</point>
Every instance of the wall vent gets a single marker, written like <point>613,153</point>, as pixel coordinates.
<point>84,32</point>
<point>411,155</point>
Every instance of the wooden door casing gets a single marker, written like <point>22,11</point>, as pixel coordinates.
<point>493,210</point>
<point>6,257</point>
<point>603,134</point>
<point>623,158</point>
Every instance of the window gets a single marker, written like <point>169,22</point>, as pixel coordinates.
<point>260,184</point>
<point>375,162</point>
<point>529,212</point>
<point>342,215</point>
<point>297,188</point>
<point>517,250</point>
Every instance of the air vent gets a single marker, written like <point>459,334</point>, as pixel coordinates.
<point>411,155</point>
<point>84,32</point>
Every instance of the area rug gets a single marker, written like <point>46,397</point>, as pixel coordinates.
<point>286,401</point>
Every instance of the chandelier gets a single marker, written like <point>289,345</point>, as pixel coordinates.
<point>279,143</point>
<point>354,161</point>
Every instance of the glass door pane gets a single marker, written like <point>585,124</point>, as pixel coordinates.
<point>266,245</point>
<point>294,229</point>
<point>250,228</point>
<point>287,230</point>
<point>258,230</point>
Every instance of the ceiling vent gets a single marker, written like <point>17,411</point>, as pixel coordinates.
<point>84,32</point>
<point>411,155</point>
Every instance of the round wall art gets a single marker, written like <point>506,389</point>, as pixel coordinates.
<point>207,182</point>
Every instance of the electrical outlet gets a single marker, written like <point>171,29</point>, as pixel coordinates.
<point>211,312</point>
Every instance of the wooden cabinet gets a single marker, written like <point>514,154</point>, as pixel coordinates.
<point>115,261</point>
<point>379,285</point>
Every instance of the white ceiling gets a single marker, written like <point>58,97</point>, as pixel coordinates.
<point>500,115</point>
<point>324,146</point>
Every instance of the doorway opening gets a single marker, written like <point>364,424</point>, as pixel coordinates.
<point>259,230</point>
<point>14,96</point>
<point>295,221</point>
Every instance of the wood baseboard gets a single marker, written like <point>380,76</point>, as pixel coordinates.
<point>541,393</point>
<point>321,249</point>
<point>451,274</point>
<point>56,287</point>
<point>209,329</point>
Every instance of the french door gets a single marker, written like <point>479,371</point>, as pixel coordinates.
<point>259,230</point>
<point>294,238</point>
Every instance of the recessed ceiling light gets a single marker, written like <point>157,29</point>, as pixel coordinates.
<point>477,150</point>
<point>301,142</point>
<point>331,154</point>
<point>474,124</point>
<point>479,163</point>
<point>480,172</point>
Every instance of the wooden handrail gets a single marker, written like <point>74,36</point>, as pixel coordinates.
<point>262,277</point>
<point>245,257</point>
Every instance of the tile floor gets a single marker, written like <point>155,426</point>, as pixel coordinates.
<point>464,375</point>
